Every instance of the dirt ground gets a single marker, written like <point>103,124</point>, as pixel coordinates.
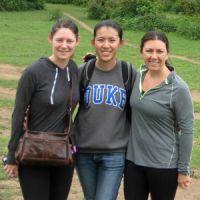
<point>8,72</point>
<point>192,193</point>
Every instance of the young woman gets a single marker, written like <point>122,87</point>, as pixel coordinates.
<point>44,86</point>
<point>101,127</point>
<point>160,144</point>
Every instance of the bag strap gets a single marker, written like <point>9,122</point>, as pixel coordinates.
<point>69,104</point>
<point>86,76</point>
<point>69,108</point>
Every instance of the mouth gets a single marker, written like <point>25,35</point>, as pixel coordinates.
<point>105,53</point>
<point>153,62</point>
<point>63,52</point>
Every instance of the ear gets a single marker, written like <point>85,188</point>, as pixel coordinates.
<point>49,39</point>
<point>168,55</point>
<point>78,41</point>
<point>122,42</point>
<point>93,42</point>
<point>141,55</point>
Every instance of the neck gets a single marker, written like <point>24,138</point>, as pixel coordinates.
<point>106,66</point>
<point>60,63</point>
<point>159,74</point>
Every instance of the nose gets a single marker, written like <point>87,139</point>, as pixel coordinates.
<point>106,43</point>
<point>154,54</point>
<point>64,44</point>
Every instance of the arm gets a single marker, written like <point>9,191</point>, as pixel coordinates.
<point>185,118</point>
<point>23,97</point>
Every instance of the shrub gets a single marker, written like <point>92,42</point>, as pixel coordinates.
<point>167,4</point>
<point>17,5</point>
<point>81,2</point>
<point>190,7</point>
<point>190,28</point>
<point>59,1</point>
<point>98,9</point>
<point>132,8</point>
<point>147,22</point>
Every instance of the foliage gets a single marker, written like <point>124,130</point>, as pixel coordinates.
<point>132,8</point>
<point>147,22</point>
<point>81,2</point>
<point>143,15</point>
<point>190,28</point>
<point>187,6</point>
<point>196,107</point>
<point>17,5</point>
<point>96,10</point>
<point>190,7</point>
<point>59,1</point>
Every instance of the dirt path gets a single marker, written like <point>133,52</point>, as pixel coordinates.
<point>192,193</point>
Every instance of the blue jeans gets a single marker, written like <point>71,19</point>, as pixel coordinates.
<point>100,174</point>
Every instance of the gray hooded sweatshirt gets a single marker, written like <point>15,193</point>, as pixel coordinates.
<point>162,124</point>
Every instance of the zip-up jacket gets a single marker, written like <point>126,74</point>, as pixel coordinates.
<point>45,87</point>
<point>162,124</point>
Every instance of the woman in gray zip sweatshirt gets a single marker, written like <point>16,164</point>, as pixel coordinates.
<point>44,86</point>
<point>162,123</point>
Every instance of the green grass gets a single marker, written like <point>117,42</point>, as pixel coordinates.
<point>8,103</point>
<point>196,146</point>
<point>8,83</point>
<point>24,39</point>
<point>3,151</point>
<point>197,107</point>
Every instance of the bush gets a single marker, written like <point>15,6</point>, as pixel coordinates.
<point>190,7</point>
<point>59,1</point>
<point>167,4</point>
<point>132,8</point>
<point>190,28</point>
<point>81,2</point>
<point>99,9</point>
<point>147,22</point>
<point>17,5</point>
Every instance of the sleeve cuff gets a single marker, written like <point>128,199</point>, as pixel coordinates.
<point>11,158</point>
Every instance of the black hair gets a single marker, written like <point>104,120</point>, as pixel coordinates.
<point>155,35</point>
<point>109,23</point>
<point>64,23</point>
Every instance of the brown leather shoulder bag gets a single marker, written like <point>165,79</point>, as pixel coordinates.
<point>45,148</point>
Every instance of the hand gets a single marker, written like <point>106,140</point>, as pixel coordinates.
<point>184,181</point>
<point>88,57</point>
<point>11,170</point>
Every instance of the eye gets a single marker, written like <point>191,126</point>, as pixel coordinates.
<point>59,40</point>
<point>112,40</point>
<point>160,51</point>
<point>149,50</point>
<point>70,41</point>
<point>100,39</point>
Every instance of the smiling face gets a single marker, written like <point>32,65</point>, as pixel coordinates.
<point>155,54</point>
<point>106,43</point>
<point>63,43</point>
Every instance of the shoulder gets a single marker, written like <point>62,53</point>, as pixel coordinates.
<point>36,65</point>
<point>180,84</point>
<point>73,66</point>
<point>181,89</point>
<point>34,68</point>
